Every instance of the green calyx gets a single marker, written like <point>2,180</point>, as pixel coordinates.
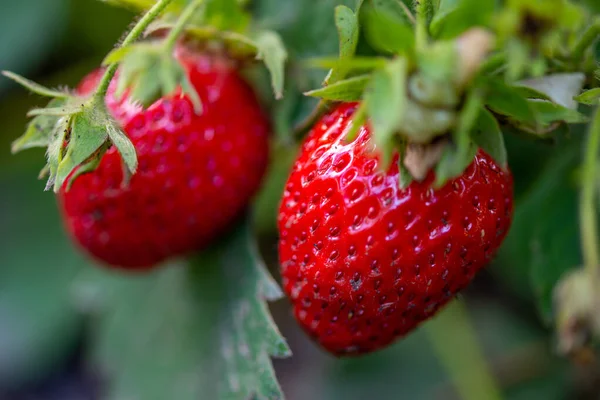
<point>149,71</point>
<point>77,131</point>
<point>444,80</point>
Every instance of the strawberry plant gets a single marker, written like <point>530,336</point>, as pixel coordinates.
<point>390,150</point>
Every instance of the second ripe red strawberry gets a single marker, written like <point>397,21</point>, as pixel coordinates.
<point>196,172</point>
<point>363,261</point>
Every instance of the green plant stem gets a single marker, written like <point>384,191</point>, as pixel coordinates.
<point>186,16</point>
<point>422,8</point>
<point>456,345</point>
<point>132,36</point>
<point>587,208</point>
<point>587,39</point>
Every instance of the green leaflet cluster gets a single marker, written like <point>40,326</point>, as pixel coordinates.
<point>76,130</point>
<point>202,328</point>
<point>150,70</point>
<point>451,74</point>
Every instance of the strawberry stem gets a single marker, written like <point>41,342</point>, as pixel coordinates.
<point>422,9</point>
<point>132,36</point>
<point>456,345</point>
<point>587,209</point>
<point>187,14</point>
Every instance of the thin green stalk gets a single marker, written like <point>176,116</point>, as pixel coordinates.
<point>132,36</point>
<point>186,16</point>
<point>587,39</point>
<point>457,349</point>
<point>587,208</point>
<point>422,9</point>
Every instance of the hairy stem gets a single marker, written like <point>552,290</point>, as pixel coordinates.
<point>456,345</point>
<point>186,16</point>
<point>132,36</point>
<point>587,208</point>
<point>587,39</point>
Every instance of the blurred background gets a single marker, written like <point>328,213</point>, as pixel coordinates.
<point>43,337</point>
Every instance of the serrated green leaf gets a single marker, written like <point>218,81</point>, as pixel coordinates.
<point>385,101</point>
<point>387,33</point>
<point>589,97</point>
<point>509,101</point>
<point>38,130</point>
<point>350,89</point>
<point>456,16</point>
<point>347,25</point>
<point>85,139</point>
<point>272,51</point>
<point>458,157</point>
<point>35,87</point>
<point>190,331</point>
<point>488,136</point>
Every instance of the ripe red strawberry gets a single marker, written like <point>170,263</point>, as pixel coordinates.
<point>365,262</point>
<point>196,172</point>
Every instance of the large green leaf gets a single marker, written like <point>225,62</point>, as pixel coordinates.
<point>189,331</point>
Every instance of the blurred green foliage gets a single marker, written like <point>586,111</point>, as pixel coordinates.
<point>58,41</point>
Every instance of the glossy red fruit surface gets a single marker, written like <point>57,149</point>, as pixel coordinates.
<point>196,172</point>
<point>363,261</point>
